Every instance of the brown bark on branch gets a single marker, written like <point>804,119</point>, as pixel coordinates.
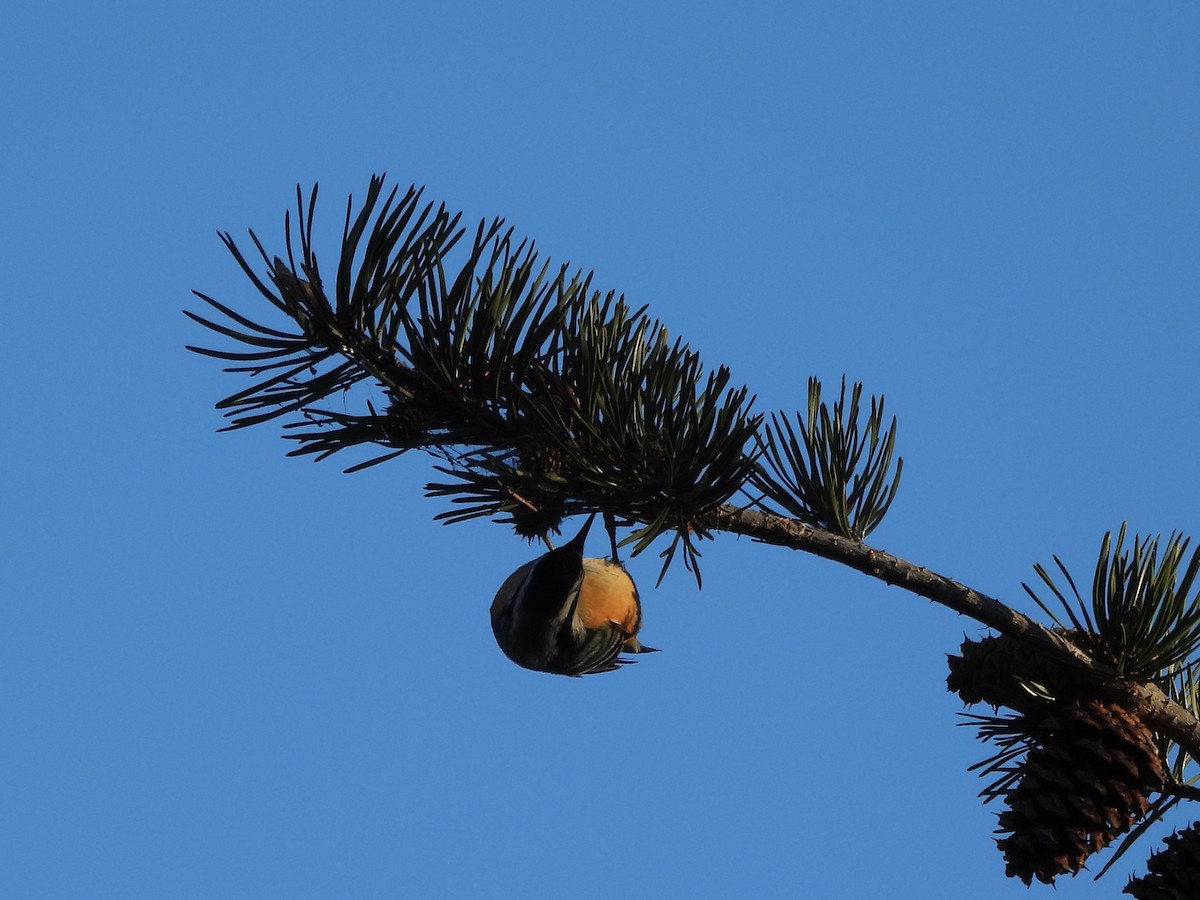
<point>1157,710</point>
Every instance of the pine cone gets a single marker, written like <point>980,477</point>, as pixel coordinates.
<point>542,458</point>
<point>991,670</point>
<point>1084,786</point>
<point>404,424</point>
<point>537,516</point>
<point>1173,873</point>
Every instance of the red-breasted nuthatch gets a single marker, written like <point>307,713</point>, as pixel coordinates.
<point>568,615</point>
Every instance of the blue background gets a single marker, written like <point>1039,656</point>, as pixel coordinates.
<point>229,674</point>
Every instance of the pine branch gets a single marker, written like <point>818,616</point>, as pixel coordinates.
<point>542,398</point>
<point>1158,710</point>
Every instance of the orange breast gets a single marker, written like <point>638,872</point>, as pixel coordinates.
<point>608,595</point>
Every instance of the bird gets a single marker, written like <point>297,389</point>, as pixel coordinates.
<point>568,615</point>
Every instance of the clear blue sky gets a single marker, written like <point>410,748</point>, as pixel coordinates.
<point>230,674</point>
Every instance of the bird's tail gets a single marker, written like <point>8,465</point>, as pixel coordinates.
<point>633,645</point>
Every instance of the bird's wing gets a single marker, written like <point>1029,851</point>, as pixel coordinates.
<point>598,651</point>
